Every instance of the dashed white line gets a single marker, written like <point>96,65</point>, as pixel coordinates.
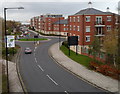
<point>35,60</point>
<point>52,80</point>
<point>66,92</point>
<point>40,67</point>
<point>35,47</point>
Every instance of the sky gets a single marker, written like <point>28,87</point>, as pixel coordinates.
<point>37,7</point>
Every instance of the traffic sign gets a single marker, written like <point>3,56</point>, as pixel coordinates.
<point>10,41</point>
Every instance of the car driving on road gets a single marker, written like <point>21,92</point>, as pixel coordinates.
<point>28,50</point>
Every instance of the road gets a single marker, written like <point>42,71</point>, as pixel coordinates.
<point>41,73</point>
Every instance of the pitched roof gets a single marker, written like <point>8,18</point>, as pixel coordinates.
<point>92,11</point>
<point>62,22</point>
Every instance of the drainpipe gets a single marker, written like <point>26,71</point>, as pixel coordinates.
<point>83,33</point>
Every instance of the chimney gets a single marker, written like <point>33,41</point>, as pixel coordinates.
<point>90,4</point>
<point>108,9</point>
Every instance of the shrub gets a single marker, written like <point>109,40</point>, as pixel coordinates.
<point>65,43</point>
<point>105,69</point>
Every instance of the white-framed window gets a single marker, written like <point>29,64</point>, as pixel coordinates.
<point>87,18</point>
<point>78,28</point>
<point>49,28</point>
<point>109,18</point>
<point>49,24</point>
<point>70,27</point>
<point>74,19</point>
<point>73,34</point>
<point>39,19</point>
<point>87,38</point>
<point>74,27</point>
<point>108,27</point>
<point>78,19</point>
<point>49,19</point>
<point>98,19</point>
<point>64,29</point>
<point>70,19</point>
<point>64,24</point>
<point>78,38</point>
<point>87,28</point>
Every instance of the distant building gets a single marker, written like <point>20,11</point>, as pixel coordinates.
<point>44,23</point>
<point>61,27</point>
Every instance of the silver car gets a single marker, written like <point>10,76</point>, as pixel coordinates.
<point>28,50</point>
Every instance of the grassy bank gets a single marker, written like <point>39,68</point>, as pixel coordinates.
<point>32,39</point>
<point>81,59</point>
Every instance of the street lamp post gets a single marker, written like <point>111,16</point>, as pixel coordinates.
<point>59,33</point>
<point>6,43</point>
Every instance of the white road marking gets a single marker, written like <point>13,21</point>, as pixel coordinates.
<point>35,48</point>
<point>52,80</point>
<point>35,60</point>
<point>66,92</point>
<point>40,67</point>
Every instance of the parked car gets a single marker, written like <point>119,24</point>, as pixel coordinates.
<point>28,50</point>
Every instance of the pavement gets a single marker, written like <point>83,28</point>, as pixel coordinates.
<point>89,76</point>
<point>14,83</point>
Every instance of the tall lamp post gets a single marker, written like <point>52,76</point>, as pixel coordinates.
<point>59,33</point>
<point>5,9</point>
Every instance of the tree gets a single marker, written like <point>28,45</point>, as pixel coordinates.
<point>110,44</point>
<point>95,47</point>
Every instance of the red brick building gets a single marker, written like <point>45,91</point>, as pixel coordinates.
<point>61,27</point>
<point>45,23</point>
<point>88,23</point>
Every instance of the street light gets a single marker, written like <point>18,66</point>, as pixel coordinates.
<point>6,42</point>
<point>59,33</point>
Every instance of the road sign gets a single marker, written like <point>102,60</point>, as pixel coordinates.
<point>10,41</point>
<point>72,40</point>
<point>36,36</point>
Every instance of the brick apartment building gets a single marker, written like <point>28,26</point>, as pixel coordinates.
<point>61,27</point>
<point>88,23</point>
<point>45,23</point>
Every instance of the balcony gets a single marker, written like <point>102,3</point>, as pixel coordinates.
<point>99,24</point>
<point>99,33</point>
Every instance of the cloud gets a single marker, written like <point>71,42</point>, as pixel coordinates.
<point>37,8</point>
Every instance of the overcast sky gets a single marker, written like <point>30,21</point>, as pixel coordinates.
<point>66,7</point>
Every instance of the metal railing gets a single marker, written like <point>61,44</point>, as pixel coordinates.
<point>99,23</point>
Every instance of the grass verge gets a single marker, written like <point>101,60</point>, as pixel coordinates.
<point>81,59</point>
<point>32,39</point>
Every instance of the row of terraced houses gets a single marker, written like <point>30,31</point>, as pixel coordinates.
<point>85,24</point>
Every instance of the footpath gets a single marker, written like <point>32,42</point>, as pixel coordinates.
<point>14,83</point>
<point>89,76</point>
